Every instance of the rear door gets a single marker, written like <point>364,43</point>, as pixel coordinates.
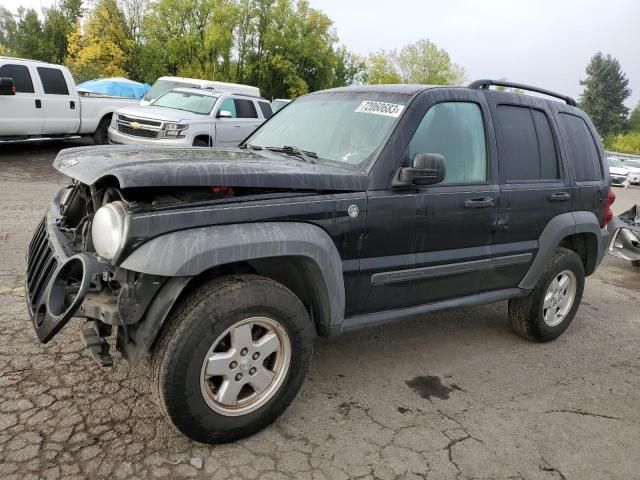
<point>19,113</point>
<point>534,185</point>
<point>60,109</point>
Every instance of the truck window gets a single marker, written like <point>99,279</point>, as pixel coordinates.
<point>527,150</point>
<point>266,109</point>
<point>53,81</point>
<point>21,77</point>
<point>246,109</point>
<point>582,151</point>
<point>229,105</point>
<point>456,131</point>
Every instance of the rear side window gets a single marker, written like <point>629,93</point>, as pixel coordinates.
<point>266,109</point>
<point>246,109</point>
<point>581,148</point>
<point>527,147</point>
<point>456,131</point>
<point>53,81</point>
<point>20,75</point>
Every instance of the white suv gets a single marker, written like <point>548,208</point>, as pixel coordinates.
<point>190,117</point>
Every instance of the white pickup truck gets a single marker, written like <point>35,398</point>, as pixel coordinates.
<point>40,100</point>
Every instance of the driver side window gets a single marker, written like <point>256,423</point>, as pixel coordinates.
<point>229,105</point>
<point>456,131</point>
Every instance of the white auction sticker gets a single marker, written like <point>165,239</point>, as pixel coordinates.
<point>380,108</point>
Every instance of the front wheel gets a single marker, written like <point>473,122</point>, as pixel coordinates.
<point>550,307</point>
<point>101,136</point>
<point>233,356</point>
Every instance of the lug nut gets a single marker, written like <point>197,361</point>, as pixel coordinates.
<point>252,371</point>
<point>233,365</point>
<point>244,351</point>
<point>238,377</point>
<point>255,356</point>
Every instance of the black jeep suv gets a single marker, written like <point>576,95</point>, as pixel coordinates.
<point>348,208</point>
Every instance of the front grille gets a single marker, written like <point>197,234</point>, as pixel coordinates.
<point>137,132</point>
<point>141,121</point>
<point>41,263</point>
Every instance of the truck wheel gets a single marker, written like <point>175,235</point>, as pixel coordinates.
<point>201,142</point>
<point>232,357</point>
<point>550,307</point>
<point>100,136</point>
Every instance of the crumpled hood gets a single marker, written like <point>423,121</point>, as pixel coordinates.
<point>135,166</point>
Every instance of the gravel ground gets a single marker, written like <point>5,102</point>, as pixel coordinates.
<point>453,395</point>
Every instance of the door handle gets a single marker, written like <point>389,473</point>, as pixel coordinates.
<point>72,105</point>
<point>559,197</point>
<point>237,126</point>
<point>483,202</point>
<point>38,103</point>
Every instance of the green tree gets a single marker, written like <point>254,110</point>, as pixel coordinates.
<point>28,41</point>
<point>349,69</point>
<point>59,21</point>
<point>419,62</point>
<point>633,123</point>
<point>8,30</point>
<point>381,68</point>
<point>605,90</point>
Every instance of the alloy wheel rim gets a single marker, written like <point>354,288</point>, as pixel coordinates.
<point>245,366</point>
<point>559,298</point>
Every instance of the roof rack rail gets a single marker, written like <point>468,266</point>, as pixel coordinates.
<point>485,84</point>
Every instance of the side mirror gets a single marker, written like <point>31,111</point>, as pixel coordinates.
<point>224,114</point>
<point>427,169</point>
<point>7,87</point>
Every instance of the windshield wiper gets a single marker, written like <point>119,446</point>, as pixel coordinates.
<point>305,155</point>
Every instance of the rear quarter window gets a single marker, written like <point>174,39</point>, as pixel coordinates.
<point>266,109</point>
<point>582,151</point>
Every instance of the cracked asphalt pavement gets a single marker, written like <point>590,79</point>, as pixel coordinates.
<point>452,395</point>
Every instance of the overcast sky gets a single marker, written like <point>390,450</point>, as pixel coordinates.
<point>542,42</point>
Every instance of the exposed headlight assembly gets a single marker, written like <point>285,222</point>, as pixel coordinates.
<point>174,130</point>
<point>107,230</point>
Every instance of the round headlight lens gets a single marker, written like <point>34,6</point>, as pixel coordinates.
<point>107,230</point>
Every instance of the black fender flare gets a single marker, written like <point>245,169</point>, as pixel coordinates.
<point>187,253</point>
<point>559,227</point>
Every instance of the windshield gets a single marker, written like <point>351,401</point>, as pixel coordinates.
<point>163,86</point>
<point>278,104</point>
<point>632,163</point>
<point>613,162</point>
<point>342,127</point>
<point>187,101</point>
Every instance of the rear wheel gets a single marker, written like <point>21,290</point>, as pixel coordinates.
<point>101,136</point>
<point>550,307</point>
<point>233,356</point>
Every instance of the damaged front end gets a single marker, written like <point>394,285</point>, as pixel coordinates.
<point>625,238</point>
<point>67,278</point>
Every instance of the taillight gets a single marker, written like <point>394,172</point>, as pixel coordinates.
<point>608,211</point>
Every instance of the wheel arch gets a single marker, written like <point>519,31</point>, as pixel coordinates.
<point>578,231</point>
<point>205,136</point>
<point>300,256</point>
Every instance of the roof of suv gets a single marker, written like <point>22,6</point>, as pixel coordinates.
<point>210,93</point>
<point>402,88</point>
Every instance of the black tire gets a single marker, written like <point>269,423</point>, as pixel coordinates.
<point>101,136</point>
<point>635,263</point>
<point>193,327</point>
<point>201,142</point>
<point>526,313</point>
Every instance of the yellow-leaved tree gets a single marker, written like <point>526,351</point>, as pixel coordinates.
<point>100,47</point>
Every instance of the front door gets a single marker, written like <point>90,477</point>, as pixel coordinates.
<point>431,243</point>
<point>231,131</point>
<point>20,113</point>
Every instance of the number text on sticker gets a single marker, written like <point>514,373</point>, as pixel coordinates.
<point>380,108</point>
